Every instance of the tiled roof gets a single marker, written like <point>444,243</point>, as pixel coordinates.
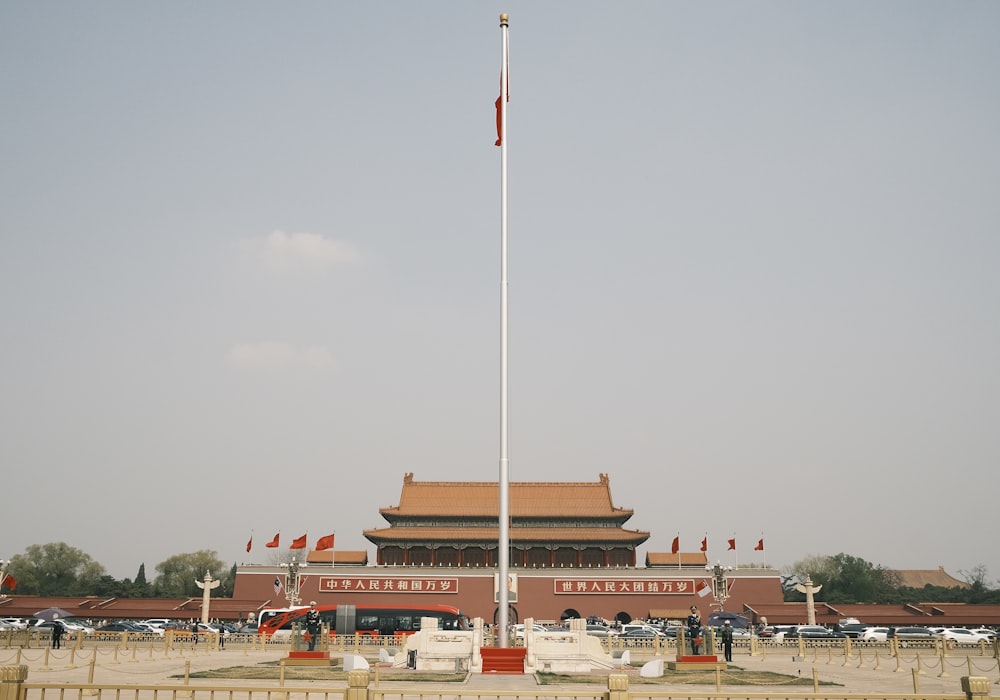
<point>527,499</point>
<point>595,535</point>
<point>338,557</point>
<point>918,578</point>
<point>670,559</point>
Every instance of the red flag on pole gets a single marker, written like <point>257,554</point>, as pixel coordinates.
<point>274,542</point>
<point>250,543</point>
<point>504,88</point>
<point>703,589</point>
<point>9,581</point>
<point>324,543</point>
<point>732,543</point>
<point>675,545</point>
<point>760,545</point>
<point>298,543</point>
<point>704,544</point>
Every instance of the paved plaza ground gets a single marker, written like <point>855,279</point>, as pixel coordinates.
<point>858,676</point>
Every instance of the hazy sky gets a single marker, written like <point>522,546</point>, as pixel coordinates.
<point>250,270</point>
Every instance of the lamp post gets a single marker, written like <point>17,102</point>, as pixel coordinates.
<point>292,583</point>
<point>720,585</point>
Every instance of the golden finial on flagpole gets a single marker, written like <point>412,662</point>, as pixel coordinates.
<point>503,19</point>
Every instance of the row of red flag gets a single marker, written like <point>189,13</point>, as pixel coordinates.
<point>8,581</point>
<point>298,543</point>
<point>675,546</point>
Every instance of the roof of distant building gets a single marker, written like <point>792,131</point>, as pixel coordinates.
<point>548,500</point>
<point>918,578</point>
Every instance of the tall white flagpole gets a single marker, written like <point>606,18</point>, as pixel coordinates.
<point>503,546</point>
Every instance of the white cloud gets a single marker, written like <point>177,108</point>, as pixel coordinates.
<point>280,250</point>
<point>269,355</point>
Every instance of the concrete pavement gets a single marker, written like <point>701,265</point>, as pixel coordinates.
<point>865,674</point>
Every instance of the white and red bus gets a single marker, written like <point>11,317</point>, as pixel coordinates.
<point>366,620</point>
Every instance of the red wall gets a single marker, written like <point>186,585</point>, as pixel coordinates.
<point>541,594</point>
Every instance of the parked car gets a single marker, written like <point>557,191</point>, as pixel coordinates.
<point>987,631</point>
<point>184,628</point>
<point>117,628</point>
<point>960,635</point>
<point>876,634</point>
<point>780,632</point>
<point>69,626</point>
<point>813,632</point>
<point>160,622</point>
<point>640,633</point>
<point>601,631</point>
<point>654,631</point>
<point>913,634</point>
<point>519,630</point>
<point>13,623</point>
<point>854,629</point>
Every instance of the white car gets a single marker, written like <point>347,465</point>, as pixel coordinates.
<point>519,630</point>
<point>875,634</point>
<point>987,631</point>
<point>13,623</point>
<point>158,622</point>
<point>960,635</point>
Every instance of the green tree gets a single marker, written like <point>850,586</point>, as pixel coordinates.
<point>177,576</point>
<point>845,579</point>
<point>55,569</point>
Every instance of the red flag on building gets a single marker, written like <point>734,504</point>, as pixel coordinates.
<point>274,542</point>
<point>676,545</point>
<point>9,581</point>
<point>298,543</point>
<point>760,545</point>
<point>250,543</point>
<point>324,543</point>
<point>732,543</point>
<point>704,544</point>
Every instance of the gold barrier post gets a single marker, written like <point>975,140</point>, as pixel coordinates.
<point>815,681</point>
<point>617,686</point>
<point>11,680</point>
<point>187,681</point>
<point>976,687</point>
<point>718,679</point>
<point>90,678</point>
<point>357,685</point>
<point>916,679</point>
<point>941,658</point>
<point>45,661</point>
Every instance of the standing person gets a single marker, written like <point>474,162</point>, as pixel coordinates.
<point>194,631</point>
<point>312,624</point>
<point>222,635</point>
<point>57,633</point>
<point>694,630</point>
<point>727,640</point>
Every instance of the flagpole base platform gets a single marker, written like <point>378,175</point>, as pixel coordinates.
<point>697,662</point>
<point>308,658</point>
